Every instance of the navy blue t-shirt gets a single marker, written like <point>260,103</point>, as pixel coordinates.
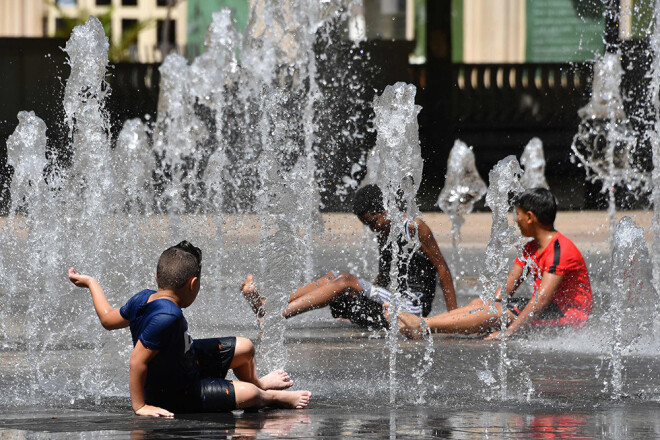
<point>160,325</point>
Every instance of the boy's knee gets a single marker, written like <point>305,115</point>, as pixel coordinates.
<point>347,280</point>
<point>247,395</point>
<point>244,346</point>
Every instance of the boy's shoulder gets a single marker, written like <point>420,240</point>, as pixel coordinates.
<point>565,241</point>
<point>139,301</point>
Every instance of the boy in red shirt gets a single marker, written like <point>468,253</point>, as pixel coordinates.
<point>562,291</point>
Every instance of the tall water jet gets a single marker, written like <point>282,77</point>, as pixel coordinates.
<point>85,115</point>
<point>605,141</point>
<point>89,178</point>
<point>533,162</point>
<point>212,74</point>
<point>26,153</point>
<point>278,94</point>
<point>133,163</point>
<point>279,245</point>
<point>463,188</point>
<point>654,139</point>
<point>399,176</point>
<point>634,303</point>
<point>176,133</point>
<point>504,186</point>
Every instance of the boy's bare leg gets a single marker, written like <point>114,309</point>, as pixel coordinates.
<point>245,368</point>
<point>472,318</point>
<point>324,294</point>
<point>250,396</point>
<point>325,279</point>
<point>257,301</point>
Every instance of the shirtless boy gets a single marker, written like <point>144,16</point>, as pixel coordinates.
<point>354,298</point>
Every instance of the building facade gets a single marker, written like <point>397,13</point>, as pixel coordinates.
<point>22,18</point>
<point>125,14</point>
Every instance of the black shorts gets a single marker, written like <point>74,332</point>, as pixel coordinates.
<point>359,310</point>
<point>212,392</point>
<point>551,311</point>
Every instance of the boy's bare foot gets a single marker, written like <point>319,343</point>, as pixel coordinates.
<point>251,294</point>
<point>409,325</point>
<point>295,399</point>
<point>275,380</point>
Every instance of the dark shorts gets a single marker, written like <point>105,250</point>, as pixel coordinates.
<point>359,310</point>
<point>551,311</point>
<point>212,392</point>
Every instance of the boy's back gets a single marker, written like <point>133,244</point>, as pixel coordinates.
<point>573,296</point>
<point>160,325</point>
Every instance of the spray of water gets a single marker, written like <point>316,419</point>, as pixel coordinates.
<point>533,162</point>
<point>633,300</point>
<point>399,175</point>
<point>463,188</point>
<point>605,141</point>
<point>654,138</point>
<point>504,185</point>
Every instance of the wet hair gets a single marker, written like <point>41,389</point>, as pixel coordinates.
<point>369,199</point>
<point>541,202</point>
<point>177,265</point>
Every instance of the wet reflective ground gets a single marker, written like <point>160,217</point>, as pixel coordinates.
<point>638,422</point>
<point>550,394</point>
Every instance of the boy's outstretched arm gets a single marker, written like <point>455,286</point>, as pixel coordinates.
<point>432,250</point>
<point>140,358</point>
<point>110,318</point>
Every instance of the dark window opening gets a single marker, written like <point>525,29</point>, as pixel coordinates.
<point>171,33</point>
<point>129,2</point>
<point>128,24</point>
<point>103,2</point>
<point>60,26</point>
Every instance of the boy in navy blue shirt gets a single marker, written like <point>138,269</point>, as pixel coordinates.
<point>168,369</point>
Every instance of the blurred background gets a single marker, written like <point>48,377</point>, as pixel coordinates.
<point>493,73</point>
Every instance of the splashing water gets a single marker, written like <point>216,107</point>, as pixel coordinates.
<point>463,188</point>
<point>399,176</point>
<point>633,300</point>
<point>604,142</point>
<point>533,161</point>
<point>654,138</point>
<point>504,185</point>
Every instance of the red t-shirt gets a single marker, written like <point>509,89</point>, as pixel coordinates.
<point>561,257</point>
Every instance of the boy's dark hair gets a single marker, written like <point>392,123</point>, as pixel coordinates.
<point>369,199</point>
<point>177,265</point>
<point>541,202</point>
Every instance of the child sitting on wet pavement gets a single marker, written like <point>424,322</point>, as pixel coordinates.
<point>354,298</point>
<point>169,371</point>
<point>562,290</point>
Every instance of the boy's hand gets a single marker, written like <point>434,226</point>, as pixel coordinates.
<point>79,279</point>
<point>154,411</point>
